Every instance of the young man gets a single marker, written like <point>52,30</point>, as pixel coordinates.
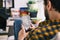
<point>47,29</point>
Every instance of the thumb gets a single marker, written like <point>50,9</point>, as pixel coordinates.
<point>27,34</point>
<point>23,28</point>
<point>32,26</point>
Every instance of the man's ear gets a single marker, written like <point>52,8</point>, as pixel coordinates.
<point>49,6</point>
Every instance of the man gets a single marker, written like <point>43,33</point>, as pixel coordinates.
<point>47,29</point>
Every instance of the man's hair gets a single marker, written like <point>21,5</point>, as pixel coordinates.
<point>55,4</point>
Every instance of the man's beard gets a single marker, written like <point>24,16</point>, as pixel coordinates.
<point>46,14</point>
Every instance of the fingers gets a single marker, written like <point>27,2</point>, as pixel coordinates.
<point>24,32</point>
<point>27,33</point>
<point>23,29</point>
<point>32,26</point>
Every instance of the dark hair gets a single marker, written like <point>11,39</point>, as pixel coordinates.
<point>54,3</point>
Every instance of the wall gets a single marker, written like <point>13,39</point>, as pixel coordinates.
<point>20,3</point>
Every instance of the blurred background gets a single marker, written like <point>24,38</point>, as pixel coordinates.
<point>9,9</point>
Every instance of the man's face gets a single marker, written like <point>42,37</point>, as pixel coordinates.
<point>46,14</point>
<point>47,10</point>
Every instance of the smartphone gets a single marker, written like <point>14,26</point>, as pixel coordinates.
<point>26,22</point>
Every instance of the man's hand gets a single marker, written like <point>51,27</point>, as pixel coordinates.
<point>22,34</point>
<point>32,26</point>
